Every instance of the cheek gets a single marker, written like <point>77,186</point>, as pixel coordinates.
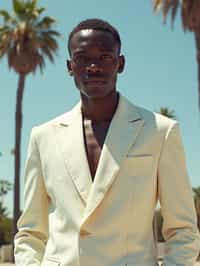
<point>113,69</point>
<point>78,78</point>
<point>78,74</point>
<point>113,73</point>
<point>76,70</point>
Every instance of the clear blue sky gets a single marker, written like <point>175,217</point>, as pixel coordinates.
<point>161,70</point>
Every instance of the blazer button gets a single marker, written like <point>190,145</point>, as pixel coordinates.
<point>84,233</point>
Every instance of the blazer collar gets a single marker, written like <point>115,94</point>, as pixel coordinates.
<point>125,110</point>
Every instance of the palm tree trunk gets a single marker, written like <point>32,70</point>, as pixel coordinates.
<point>18,127</point>
<point>197,205</point>
<point>155,233</point>
<point>197,39</point>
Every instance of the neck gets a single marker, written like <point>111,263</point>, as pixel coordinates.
<point>100,110</point>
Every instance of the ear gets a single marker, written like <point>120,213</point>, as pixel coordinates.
<point>121,63</point>
<point>69,67</point>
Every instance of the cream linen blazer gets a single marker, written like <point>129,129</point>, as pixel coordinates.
<point>68,220</point>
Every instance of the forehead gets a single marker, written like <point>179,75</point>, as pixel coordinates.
<point>90,38</point>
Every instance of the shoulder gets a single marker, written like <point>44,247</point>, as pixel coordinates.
<point>49,126</point>
<point>152,120</point>
<point>156,119</point>
<point>159,127</point>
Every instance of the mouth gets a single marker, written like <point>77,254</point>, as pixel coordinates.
<point>95,81</point>
<point>90,81</point>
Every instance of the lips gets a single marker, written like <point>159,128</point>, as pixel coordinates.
<point>95,84</point>
<point>94,80</point>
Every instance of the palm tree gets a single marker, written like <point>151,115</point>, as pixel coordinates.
<point>197,203</point>
<point>167,112</point>
<point>190,14</point>
<point>197,206</point>
<point>26,39</point>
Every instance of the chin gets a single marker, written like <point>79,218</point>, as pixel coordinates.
<point>97,96</point>
<point>93,92</point>
<point>93,96</point>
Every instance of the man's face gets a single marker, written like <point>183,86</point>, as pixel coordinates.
<point>95,62</point>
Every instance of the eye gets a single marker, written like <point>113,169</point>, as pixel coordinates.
<point>106,57</point>
<point>80,59</point>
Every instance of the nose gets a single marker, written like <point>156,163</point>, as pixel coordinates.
<point>93,68</point>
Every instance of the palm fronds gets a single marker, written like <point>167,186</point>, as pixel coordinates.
<point>26,37</point>
<point>190,16</point>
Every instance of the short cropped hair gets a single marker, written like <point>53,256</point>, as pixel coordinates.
<point>96,24</point>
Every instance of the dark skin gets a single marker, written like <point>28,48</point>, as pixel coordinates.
<point>95,63</point>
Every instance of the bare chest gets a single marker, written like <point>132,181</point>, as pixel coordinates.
<point>94,137</point>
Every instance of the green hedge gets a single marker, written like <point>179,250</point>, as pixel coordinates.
<point>5,230</point>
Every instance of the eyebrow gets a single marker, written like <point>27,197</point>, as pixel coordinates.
<point>79,52</point>
<point>106,50</point>
<point>82,51</point>
<point>102,50</point>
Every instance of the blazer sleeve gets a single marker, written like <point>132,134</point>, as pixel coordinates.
<point>180,229</point>
<point>33,223</point>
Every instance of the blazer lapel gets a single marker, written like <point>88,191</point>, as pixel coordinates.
<point>71,142</point>
<point>124,129</point>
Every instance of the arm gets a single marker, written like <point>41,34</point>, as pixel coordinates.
<point>177,205</point>
<point>33,223</point>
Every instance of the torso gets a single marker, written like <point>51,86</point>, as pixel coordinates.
<point>94,137</point>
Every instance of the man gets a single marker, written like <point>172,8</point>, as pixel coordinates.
<point>94,175</point>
